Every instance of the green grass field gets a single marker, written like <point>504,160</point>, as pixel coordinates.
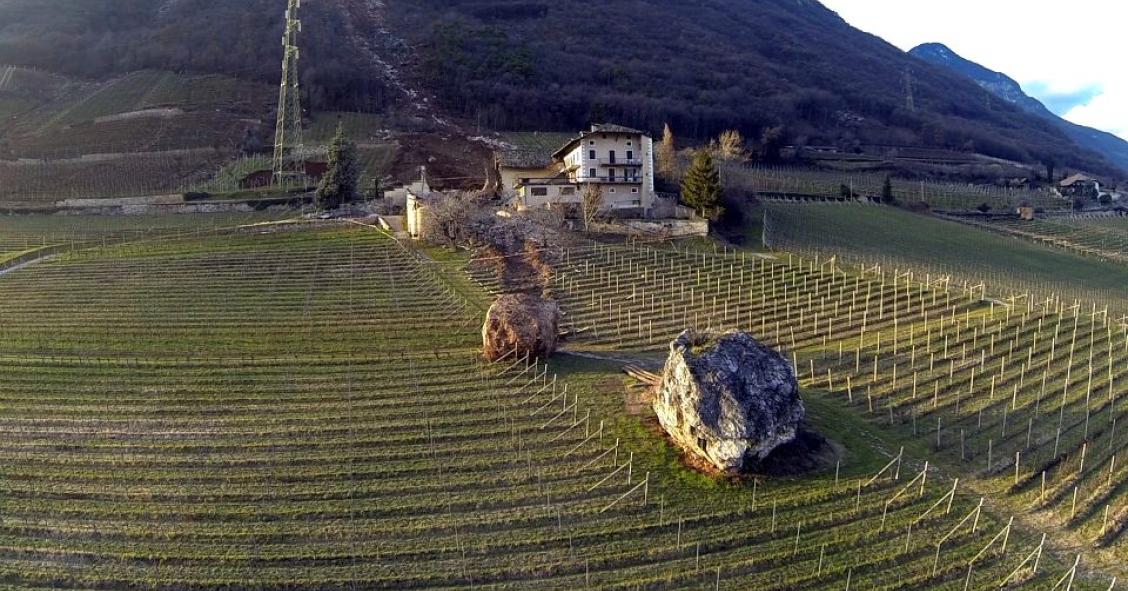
<point>303,408</point>
<point>895,238</point>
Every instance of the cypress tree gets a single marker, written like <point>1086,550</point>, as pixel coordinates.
<point>701,188</point>
<point>342,179</point>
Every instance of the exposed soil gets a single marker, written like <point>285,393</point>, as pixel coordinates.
<point>807,454</point>
<point>453,162</point>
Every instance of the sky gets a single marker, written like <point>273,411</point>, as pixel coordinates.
<point>1073,56</point>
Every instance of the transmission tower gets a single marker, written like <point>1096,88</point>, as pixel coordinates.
<point>910,100</point>
<point>289,151</point>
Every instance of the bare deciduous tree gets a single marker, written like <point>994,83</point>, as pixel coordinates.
<point>730,145</point>
<point>592,204</point>
<point>447,220</point>
<point>667,154</point>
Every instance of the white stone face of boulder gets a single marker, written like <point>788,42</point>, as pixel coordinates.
<point>728,399</point>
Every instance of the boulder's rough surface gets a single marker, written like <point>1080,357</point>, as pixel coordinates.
<point>519,323</point>
<point>728,399</point>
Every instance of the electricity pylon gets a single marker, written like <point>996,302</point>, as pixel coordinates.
<point>910,90</point>
<point>289,151</point>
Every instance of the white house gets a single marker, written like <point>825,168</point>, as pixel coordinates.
<point>618,159</point>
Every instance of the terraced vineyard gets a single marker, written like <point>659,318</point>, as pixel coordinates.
<point>28,184</point>
<point>144,134</point>
<point>75,103</point>
<point>303,408</point>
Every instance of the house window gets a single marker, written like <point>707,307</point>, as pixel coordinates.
<point>630,154</point>
<point>591,174</point>
<point>591,154</point>
<point>612,190</point>
<point>591,143</point>
<point>567,191</point>
<point>611,174</point>
<point>629,143</point>
<point>634,190</point>
<point>540,191</point>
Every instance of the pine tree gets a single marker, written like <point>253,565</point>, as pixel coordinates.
<point>701,188</point>
<point>342,179</point>
<point>667,154</point>
<point>887,191</point>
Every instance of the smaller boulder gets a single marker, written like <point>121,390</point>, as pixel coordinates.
<point>520,324</point>
<point>728,399</point>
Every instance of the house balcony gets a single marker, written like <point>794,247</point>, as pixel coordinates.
<point>543,182</point>
<point>620,162</point>
<point>617,180</point>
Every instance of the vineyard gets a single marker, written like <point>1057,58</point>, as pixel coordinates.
<point>302,407</point>
<point>153,132</point>
<point>891,238</point>
<point>143,134</point>
<point>832,185</point>
<point>1102,237</point>
<point>76,103</point>
<point>360,127</point>
<point>132,175</point>
<point>1024,397</point>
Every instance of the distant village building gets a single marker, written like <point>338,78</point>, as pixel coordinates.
<point>1080,185</point>
<point>618,159</point>
<point>1026,211</point>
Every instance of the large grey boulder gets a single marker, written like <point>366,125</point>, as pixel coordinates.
<point>728,399</point>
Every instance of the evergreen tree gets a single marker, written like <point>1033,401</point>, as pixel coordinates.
<point>667,154</point>
<point>887,191</point>
<point>342,179</point>
<point>701,188</point>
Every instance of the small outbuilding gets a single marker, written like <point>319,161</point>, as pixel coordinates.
<point>1081,185</point>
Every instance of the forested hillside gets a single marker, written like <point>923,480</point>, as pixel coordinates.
<point>703,66</point>
<point>98,39</point>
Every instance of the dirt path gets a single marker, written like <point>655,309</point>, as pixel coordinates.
<point>648,361</point>
<point>29,263</point>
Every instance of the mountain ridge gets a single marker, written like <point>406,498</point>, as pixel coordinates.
<point>1113,148</point>
<point>760,66</point>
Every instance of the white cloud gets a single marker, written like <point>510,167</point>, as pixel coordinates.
<point>1058,48</point>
